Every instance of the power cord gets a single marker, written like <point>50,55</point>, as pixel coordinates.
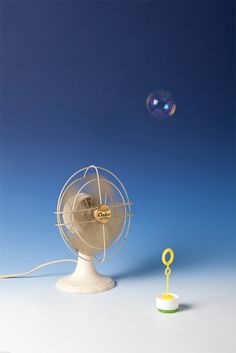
<point>23,274</point>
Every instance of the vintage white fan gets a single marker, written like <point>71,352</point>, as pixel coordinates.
<point>93,216</point>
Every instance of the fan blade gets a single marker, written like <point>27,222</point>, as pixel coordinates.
<point>116,223</point>
<point>98,187</point>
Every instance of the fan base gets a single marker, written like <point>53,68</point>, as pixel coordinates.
<point>74,285</point>
<point>85,279</point>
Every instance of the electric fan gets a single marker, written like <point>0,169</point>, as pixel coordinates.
<point>93,217</point>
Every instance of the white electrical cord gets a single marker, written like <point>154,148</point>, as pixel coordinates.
<point>23,274</point>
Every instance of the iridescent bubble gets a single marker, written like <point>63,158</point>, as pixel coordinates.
<point>160,104</point>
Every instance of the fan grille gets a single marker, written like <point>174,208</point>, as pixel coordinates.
<point>93,213</point>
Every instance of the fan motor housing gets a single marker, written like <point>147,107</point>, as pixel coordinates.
<point>102,214</point>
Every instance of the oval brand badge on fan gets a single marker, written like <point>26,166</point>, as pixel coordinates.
<point>102,214</point>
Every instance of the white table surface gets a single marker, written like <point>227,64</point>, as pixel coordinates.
<point>36,317</point>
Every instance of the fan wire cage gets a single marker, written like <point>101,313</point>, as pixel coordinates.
<point>107,187</point>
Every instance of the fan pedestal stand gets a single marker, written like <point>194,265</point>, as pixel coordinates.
<point>85,278</point>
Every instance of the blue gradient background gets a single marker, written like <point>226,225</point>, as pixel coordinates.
<point>75,77</point>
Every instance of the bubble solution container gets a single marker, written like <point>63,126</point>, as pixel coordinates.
<point>167,303</point>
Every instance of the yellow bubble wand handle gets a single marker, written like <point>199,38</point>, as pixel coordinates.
<point>167,263</point>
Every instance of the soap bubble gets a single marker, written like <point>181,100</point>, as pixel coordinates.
<point>160,104</point>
